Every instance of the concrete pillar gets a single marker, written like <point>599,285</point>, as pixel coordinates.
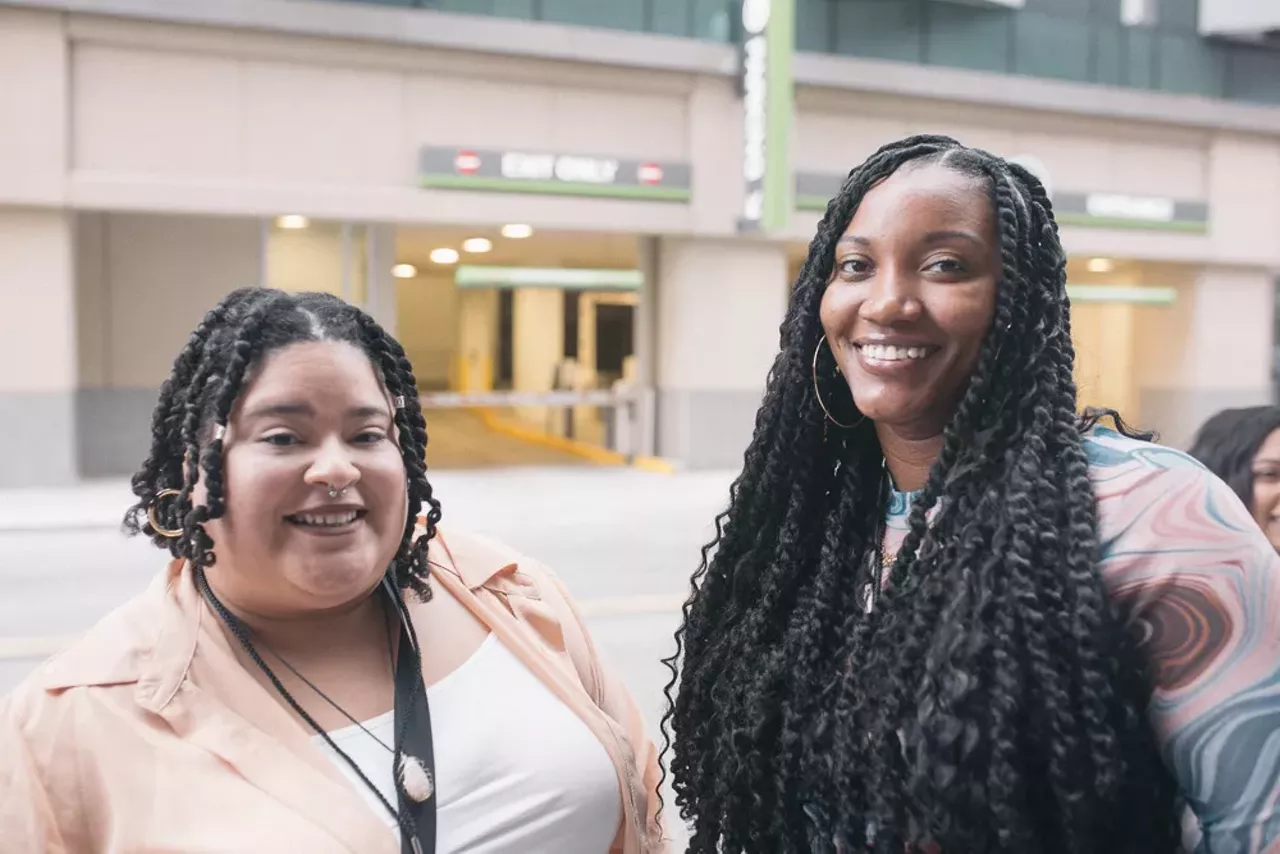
<point>143,282</point>
<point>537,348</point>
<point>33,107</point>
<point>477,339</point>
<point>719,304</point>
<point>1217,351</point>
<point>379,285</point>
<point>37,349</point>
<point>427,315</point>
<point>643,431</point>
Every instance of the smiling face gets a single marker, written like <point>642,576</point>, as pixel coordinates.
<point>314,415</point>
<point>912,296</point>
<point>1266,487</point>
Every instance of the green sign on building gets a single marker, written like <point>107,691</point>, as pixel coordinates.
<point>767,86</point>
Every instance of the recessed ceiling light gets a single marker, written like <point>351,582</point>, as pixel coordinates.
<point>293,221</point>
<point>404,271</point>
<point>517,231</point>
<point>444,255</point>
<point>477,244</point>
<point>1101,265</point>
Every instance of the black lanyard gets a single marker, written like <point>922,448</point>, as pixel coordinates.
<point>412,707</point>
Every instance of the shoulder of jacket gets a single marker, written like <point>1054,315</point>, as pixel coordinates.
<point>110,653</point>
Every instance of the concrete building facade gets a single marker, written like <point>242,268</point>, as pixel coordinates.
<point>156,154</point>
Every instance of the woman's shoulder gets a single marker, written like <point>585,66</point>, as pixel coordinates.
<point>1137,480</point>
<point>1113,455</point>
<point>111,654</point>
<point>1165,518</point>
<point>481,561</point>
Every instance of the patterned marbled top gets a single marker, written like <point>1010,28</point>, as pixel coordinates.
<point>1179,546</point>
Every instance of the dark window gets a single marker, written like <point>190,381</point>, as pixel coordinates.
<point>968,37</point>
<point>506,339</point>
<point>615,339</point>
<point>571,304</point>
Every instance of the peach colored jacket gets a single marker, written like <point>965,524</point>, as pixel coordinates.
<point>147,735</point>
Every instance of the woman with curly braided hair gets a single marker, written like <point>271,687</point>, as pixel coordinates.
<point>320,669</point>
<point>942,611</point>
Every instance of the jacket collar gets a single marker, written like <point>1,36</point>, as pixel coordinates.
<point>473,559</point>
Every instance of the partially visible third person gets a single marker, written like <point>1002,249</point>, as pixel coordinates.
<point>1242,446</point>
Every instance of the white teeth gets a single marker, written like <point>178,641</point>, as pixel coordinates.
<point>328,520</point>
<point>891,353</point>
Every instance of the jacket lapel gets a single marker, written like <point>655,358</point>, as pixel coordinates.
<point>195,683</point>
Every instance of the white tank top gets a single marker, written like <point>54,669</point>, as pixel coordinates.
<point>516,769</point>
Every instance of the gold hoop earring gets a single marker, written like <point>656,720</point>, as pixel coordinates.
<point>167,533</point>
<point>817,391</point>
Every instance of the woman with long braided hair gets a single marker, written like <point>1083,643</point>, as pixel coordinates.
<point>943,611</point>
<point>320,668</point>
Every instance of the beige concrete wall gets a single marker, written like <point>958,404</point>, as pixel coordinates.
<point>260,123</point>
<point>38,331</point>
<point>1212,350</point>
<point>428,326</point>
<point>718,313</point>
<point>1244,186</point>
<point>836,131</point>
<point>161,274</point>
<point>1237,174</point>
<point>37,349</point>
<point>33,98</point>
<point>718,307</point>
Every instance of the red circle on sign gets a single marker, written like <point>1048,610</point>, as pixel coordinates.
<point>467,162</point>
<point>649,173</point>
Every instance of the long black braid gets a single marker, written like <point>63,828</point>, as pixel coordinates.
<point>993,699</point>
<point>191,417</point>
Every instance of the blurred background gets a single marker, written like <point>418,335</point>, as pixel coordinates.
<point>581,218</point>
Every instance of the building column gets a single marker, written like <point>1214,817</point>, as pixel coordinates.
<point>1220,353</point>
<point>378,295</point>
<point>37,349</point>
<point>643,427</point>
<point>719,305</point>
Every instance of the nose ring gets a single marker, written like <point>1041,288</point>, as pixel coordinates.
<point>338,492</point>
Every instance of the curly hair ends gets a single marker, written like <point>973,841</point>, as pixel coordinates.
<point>1227,443</point>
<point>207,378</point>
<point>993,700</point>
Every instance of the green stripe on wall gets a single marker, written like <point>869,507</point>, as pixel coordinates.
<point>555,188</point>
<point>812,203</point>
<point>1081,219</point>
<point>481,276</point>
<point>819,204</point>
<point>780,41</point>
<point>1122,294</point>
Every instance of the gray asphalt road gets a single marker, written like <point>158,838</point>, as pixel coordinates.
<point>623,541</point>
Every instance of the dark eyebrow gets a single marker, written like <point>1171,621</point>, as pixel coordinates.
<point>305,409</point>
<point>855,240</point>
<point>935,237</point>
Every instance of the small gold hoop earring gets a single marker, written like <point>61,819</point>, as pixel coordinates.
<point>167,533</point>
<point>817,391</point>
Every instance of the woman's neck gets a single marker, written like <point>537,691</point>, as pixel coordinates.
<point>299,636</point>
<point>908,457</point>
